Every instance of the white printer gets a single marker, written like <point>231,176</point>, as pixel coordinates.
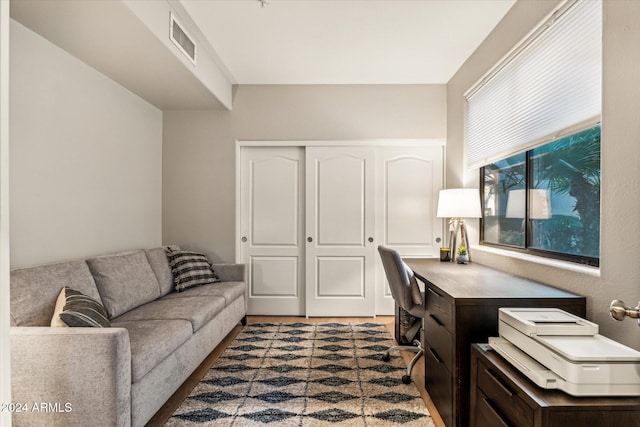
<point>556,349</point>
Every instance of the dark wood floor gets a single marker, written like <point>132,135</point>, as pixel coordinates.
<point>181,394</point>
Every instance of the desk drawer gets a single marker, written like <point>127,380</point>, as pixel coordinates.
<point>502,397</point>
<point>439,384</point>
<point>439,308</point>
<point>439,340</point>
<point>486,415</point>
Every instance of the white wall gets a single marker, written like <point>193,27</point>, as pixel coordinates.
<point>5,357</point>
<point>199,147</point>
<point>199,183</point>
<point>619,270</point>
<point>86,158</point>
<point>290,112</point>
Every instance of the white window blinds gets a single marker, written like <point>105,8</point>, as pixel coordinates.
<point>549,84</point>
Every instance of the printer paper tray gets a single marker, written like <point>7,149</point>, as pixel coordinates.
<point>545,378</point>
<point>525,364</point>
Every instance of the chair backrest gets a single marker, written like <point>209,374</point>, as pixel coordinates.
<point>401,279</point>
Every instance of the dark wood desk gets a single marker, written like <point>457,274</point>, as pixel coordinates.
<point>462,309</point>
<point>502,396</point>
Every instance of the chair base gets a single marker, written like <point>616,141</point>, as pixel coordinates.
<point>406,379</point>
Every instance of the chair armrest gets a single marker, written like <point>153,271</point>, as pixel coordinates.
<point>71,375</point>
<point>230,272</point>
<point>423,284</point>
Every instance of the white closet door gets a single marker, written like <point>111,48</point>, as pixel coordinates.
<point>340,250</point>
<point>408,180</point>
<point>272,230</point>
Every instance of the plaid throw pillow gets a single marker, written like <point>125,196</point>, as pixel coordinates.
<point>73,308</point>
<point>190,269</point>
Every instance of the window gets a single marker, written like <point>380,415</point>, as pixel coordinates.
<point>546,200</point>
<point>533,129</point>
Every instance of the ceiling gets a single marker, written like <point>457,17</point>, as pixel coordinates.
<point>345,41</point>
<point>282,42</point>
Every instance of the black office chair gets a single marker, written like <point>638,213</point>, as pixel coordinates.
<point>406,293</point>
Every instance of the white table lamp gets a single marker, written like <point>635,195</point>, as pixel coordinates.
<point>456,204</point>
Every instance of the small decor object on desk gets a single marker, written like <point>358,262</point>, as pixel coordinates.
<point>462,257</point>
<point>445,254</point>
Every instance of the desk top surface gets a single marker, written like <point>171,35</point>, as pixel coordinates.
<point>475,281</point>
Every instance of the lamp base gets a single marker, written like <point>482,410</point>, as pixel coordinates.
<point>457,226</point>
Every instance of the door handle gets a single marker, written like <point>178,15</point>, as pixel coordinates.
<point>309,239</point>
<point>434,354</point>
<point>435,319</point>
<point>244,239</point>
<point>370,239</point>
<point>618,311</point>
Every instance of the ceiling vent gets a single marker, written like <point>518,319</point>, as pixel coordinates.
<point>181,39</point>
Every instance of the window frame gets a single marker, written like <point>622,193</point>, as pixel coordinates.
<point>562,256</point>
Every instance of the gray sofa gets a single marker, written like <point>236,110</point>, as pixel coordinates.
<point>117,376</point>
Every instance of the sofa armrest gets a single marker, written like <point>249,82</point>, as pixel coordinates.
<point>230,272</point>
<point>71,375</point>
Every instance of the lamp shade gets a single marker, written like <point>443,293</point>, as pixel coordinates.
<point>459,203</point>
<point>540,204</point>
<point>516,204</point>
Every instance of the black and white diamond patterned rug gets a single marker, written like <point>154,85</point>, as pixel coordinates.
<point>305,374</point>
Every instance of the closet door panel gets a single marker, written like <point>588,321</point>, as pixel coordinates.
<point>341,277</point>
<point>408,180</point>
<point>274,203</point>
<point>272,231</point>
<point>274,276</point>
<point>407,202</point>
<point>340,222</point>
<point>340,201</point>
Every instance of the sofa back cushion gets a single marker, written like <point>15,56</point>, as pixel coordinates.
<point>160,265</point>
<point>124,280</point>
<point>34,290</point>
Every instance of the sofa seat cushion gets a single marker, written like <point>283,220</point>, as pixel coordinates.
<point>230,291</point>
<point>124,280</point>
<point>198,311</point>
<point>152,341</point>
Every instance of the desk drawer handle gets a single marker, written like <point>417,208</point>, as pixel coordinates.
<point>499,382</point>
<point>435,319</point>
<point>495,412</point>
<point>434,293</point>
<point>434,354</point>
